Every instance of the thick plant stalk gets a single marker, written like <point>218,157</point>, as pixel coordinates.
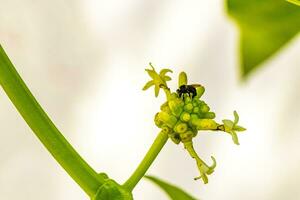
<point>44,128</point>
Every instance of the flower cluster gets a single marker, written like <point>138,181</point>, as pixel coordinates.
<point>184,114</point>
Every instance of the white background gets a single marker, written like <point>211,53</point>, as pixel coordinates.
<point>84,61</point>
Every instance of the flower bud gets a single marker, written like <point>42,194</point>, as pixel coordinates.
<point>205,124</point>
<point>180,128</point>
<point>176,107</point>
<point>165,107</point>
<point>188,107</point>
<point>166,129</point>
<point>194,116</point>
<point>209,115</point>
<point>204,108</point>
<point>185,116</point>
<point>168,119</point>
<point>186,136</point>
<point>196,109</point>
<point>200,90</point>
<point>182,80</point>
<point>187,99</point>
<point>175,138</point>
<point>157,121</point>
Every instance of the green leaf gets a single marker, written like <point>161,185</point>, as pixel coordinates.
<point>297,2</point>
<point>265,27</point>
<point>174,192</point>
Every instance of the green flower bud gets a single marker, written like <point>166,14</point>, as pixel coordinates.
<point>205,124</point>
<point>180,128</point>
<point>165,107</point>
<point>204,108</point>
<point>185,116</point>
<point>175,138</point>
<point>166,129</point>
<point>176,107</point>
<point>168,119</point>
<point>157,121</point>
<point>182,80</point>
<point>195,103</point>
<point>187,100</point>
<point>188,107</point>
<point>196,109</point>
<point>200,90</point>
<point>174,95</point>
<point>186,136</point>
<point>194,116</point>
<point>209,115</point>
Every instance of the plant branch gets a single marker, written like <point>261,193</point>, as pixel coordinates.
<point>152,153</point>
<point>44,128</point>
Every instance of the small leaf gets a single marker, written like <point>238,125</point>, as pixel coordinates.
<point>296,2</point>
<point>265,27</point>
<point>173,192</point>
<point>148,84</point>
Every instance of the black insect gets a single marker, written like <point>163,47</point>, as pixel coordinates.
<point>190,90</point>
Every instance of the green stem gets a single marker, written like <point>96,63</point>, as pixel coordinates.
<point>152,153</point>
<point>44,128</point>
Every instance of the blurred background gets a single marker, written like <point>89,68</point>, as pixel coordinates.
<point>84,61</point>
